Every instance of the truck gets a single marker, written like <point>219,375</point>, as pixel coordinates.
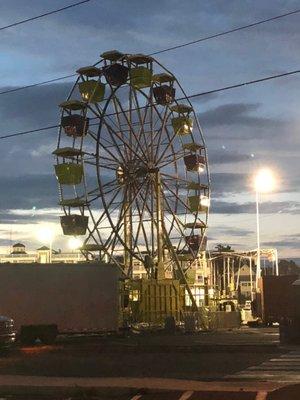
<point>45,300</point>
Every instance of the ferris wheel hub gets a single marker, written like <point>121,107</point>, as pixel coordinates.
<point>134,170</point>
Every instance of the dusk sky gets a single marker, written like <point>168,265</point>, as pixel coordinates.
<point>245,128</point>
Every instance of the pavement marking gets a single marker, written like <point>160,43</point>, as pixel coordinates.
<point>283,369</point>
<point>136,397</point>
<point>186,395</point>
<point>261,395</point>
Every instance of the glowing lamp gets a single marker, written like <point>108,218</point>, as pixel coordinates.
<point>264,181</point>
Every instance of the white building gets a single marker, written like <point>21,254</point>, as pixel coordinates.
<point>19,254</point>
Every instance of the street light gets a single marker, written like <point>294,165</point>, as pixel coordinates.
<point>264,182</point>
<point>75,244</point>
<point>46,234</point>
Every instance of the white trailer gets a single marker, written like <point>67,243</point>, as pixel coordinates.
<point>47,299</point>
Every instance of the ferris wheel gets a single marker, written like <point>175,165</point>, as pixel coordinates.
<point>132,167</point>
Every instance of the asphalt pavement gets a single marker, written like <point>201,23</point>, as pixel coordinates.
<point>140,364</point>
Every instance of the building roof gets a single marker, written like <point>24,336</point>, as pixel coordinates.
<point>18,245</point>
<point>43,248</point>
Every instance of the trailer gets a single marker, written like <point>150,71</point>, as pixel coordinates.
<point>273,298</point>
<point>48,299</point>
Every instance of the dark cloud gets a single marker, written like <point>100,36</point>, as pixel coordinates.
<point>32,216</point>
<point>233,232</point>
<point>236,114</point>
<point>25,192</point>
<point>292,244</point>
<point>284,207</point>
<point>227,182</point>
<point>36,107</point>
<point>227,157</point>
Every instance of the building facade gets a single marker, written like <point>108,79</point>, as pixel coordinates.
<point>18,254</point>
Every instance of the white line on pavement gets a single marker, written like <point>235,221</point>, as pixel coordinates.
<point>186,395</point>
<point>261,395</point>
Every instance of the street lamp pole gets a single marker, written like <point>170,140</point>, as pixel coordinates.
<point>264,183</point>
<point>50,248</point>
<point>258,267</point>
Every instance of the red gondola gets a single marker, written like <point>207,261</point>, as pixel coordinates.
<point>196,242</point>
<point>75,125</point>
<point>74,225</point>
<point>116,74</point>
<point>194,162</point>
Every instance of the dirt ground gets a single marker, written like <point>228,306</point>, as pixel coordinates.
<point>203,356</point>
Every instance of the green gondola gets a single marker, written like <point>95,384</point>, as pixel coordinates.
<point>198,203</point>
<point>140,77</point>
<point>182,125</point>
<point>92,91</point>
<point>69,173</point>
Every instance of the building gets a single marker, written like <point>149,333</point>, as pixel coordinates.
<point>18,254</point>
<point>247,282</point>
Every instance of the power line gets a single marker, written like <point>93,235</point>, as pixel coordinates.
<point>239,28</point>
<point>267,78</point>
<point>37,84</point>
<point>159,51</point>
<point>224,88</point>
<point>45,128</point>
<point>44,15</point>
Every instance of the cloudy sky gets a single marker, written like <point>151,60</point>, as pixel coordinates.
<point>245,128</point>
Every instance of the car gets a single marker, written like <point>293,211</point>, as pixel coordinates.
<point>7,333</point>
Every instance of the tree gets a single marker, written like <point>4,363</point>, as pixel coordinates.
<point>222,248</point>
<point>288,268</point>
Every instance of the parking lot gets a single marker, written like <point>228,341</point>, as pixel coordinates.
<point>203,356</point>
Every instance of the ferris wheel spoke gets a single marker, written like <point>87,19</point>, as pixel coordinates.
<point>171,159</point>
<point>180,200</point>
<point>141,212</point>
<point>109,204</point>
<point>115,158</point>
<point>110,183</point>
<point>171,221</point>
<point>106,166</point>
<point>175,199</point>
<point>113,161</point>
<point>175,222</point>
<point>154,110</point>
<point>126,207</point>
<point>142,122</point>
<point>97,113</point>
<point>174,177</point>
<point>117,113</point>
<point>109,117</point>
<point>113,135</point>
<point>128,147</point>
<point>94,223</point>
<point>131,129</point>
<point>110,190</point>
<point>161,131</point>
<point>168,146</point>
